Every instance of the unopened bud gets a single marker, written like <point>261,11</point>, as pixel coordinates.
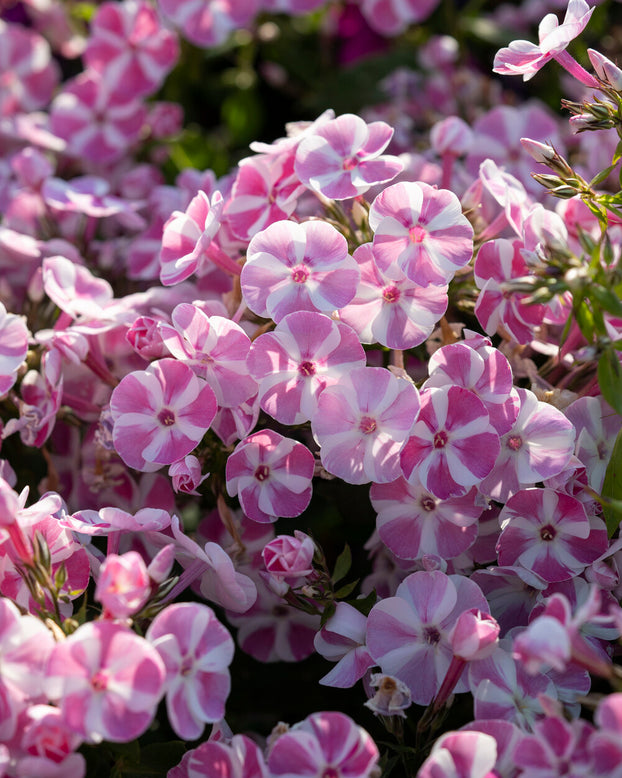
<point>606,70</point>
<point>546,155</point>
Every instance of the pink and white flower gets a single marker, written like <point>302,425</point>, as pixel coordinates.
<point>342,640</point>
<point>13,347</point>
<point>343,157</point>
<point>453,445</point>
<point>108,681</point>
<point>123,584</point>
<point>421,231</point>
<point>271,475</point>
<point>160,414</point>
<point>287,556</point>
<point>392,311</point>
<point>238,758</point>
<point>461,755</point>
<point>327,744</point>
<point>391,17</point>
<point>362,422</point>
<point>305,353</point>
<point>298,267</point>
<point>130,47</point>
<point>208,23</point>
<point>196,650</point>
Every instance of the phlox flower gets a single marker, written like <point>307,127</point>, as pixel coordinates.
<point>123,584</point>
<point>498,262</point>
<point>461,755</point>
<point>187,238</point>
<point>293,267</point>
<point>272,631</point>
<point>453,445</point>
<point>215,348</point>
<point>412,522</point>
<point>160,414</point>
<point>107,680</point>
<point>391,698</point>
<point>327,744</point>
<point>49,745</point>
<point>13,347</point>
<point>597,426</point>
<point>409,635</point>
<point>391,17</point>
<point>130,47</point>
<point>537,447</point>
<point>343,157</point>
<point>361,424</point>
<point>421,231</point>
<point>342,640</point>
<point>74,288</point>
<point>271,475</point>
<point>606,742</point>
<point>238,758</point>
<point>525,58</point>
<point>289,557</point>
<point>185,475</point>
<point>29,74</point>
<point>96,125</point>
<point>196,650</point>
<point>549,533</point>
<point>293,364</point>
<point>555,747</point>
<point>392,311</point>
<point>208,23</point>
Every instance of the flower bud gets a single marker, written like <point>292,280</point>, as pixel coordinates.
<point>123,586</point>
<point>186,475</point>
<point>451,136</point>
<point>606,70</point>
<point>475,635</point>
<point>289,557</point>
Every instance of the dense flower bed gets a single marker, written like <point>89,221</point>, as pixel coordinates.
<point>311,458</point>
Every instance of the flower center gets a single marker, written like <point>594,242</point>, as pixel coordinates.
<point>186,666</point>
<point>306,369</point>
<point>350,163</point>
<point>300,274</point>
<point>431,635</point>
<point>390,294</point>
<point>548,533</point>
<point>262,472</point>
<point>514,442</point>
<point>166,417</point>
<point>330,772</point>
<point>99,681</point>
<point>440,439</point>
<point>417,234</point>
<point>428,503</point>
<point>367,425</point>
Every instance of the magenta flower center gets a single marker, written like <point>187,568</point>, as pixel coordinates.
<point>367,425</point>
<point>515,442</point>
<point>548,532</point>
<point>306,369</point>
<point>428,503</point>
<point>417,234</point>
<point>300,274</point>
<point>330,772</point>
<point>350,163</point>
<point>186,666</point>
<point>99,681</point>
<point>431,635</point>
<point>166,417</point>
<point>440,439</point>
<point>390,294</point>
<point>262,472</point>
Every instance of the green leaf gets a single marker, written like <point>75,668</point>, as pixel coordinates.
<point>618,153</point>
<point>600,177</point>
<point>606,299</point>
<point>342,593</point>
<point>365,604</point>
<point>610,379</point>
<point>343,564</point>
<point>585,320</point>
<point>612,488</point>
<point>328,611</point>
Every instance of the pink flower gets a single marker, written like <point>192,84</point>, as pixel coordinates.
<point>129,46</point>
<point>187,239</point>
<point>289,557</point>
<point>215,348</point>
<point>123,584</point>
<point>362,422</point>
<point>239,758</point>
<point>74,288</point>
<point>327,744</point>
<point>421,231</point>
<point>96,125</point>
<point>525,58</point>
<point>50,745</point>
<point>196,650</point>
<point>108,681</point>
<point>271,475</point>
<point>409,635</point>
<point>305,353</point>
<point>186,475</point>
<point>160,414</point>
<point>293,267</point>
<point>343,157</point>
<point>29,75</point>
<point>453,446</point>
<point>208,23</point>
<point>461,755</point>
<point>392,311</point>
<point>342,640</point>
<point>13,347</point>
<point>550,534</point>
<point>391,17</point>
